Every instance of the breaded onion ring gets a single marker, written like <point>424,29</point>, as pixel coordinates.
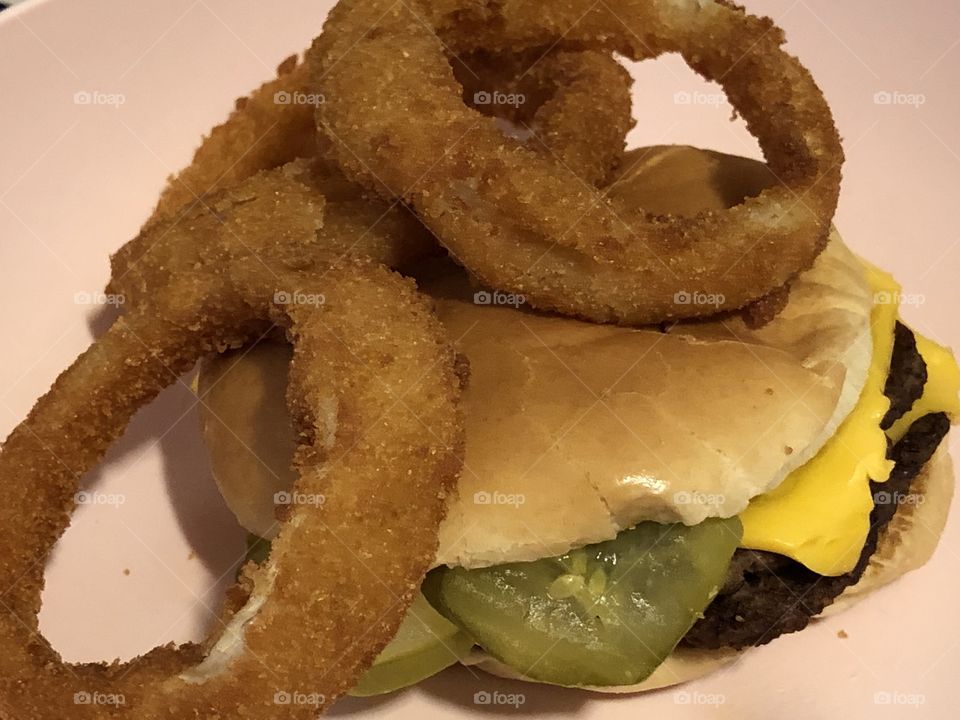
<point>356,223</point>
<point>274,125</point>
<point>375,397</point>
<point>269,128</point>
<point>575,106</point>
<point>523,224</point>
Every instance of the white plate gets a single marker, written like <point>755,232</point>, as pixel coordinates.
<point>76,181</point>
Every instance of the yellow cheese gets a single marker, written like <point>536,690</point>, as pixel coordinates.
<point>820,514</point>
<point>941,392</point>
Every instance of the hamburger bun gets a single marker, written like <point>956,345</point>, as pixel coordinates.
<point>684,665</point>
<point>909,540</point>
<point>577,431</point>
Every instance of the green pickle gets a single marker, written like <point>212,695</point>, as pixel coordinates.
<point>425,644</point>
<point>258,549</point>
<point>607,614</point>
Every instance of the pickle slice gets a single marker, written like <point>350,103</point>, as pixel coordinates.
<point>425,644</point>
<point>258,549</point>
<point>607,614</point>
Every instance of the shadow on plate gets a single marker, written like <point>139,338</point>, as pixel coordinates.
<point>101,319</point>
<point>171,425</point>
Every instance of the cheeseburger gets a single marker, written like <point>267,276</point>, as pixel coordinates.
<point>639,506</point>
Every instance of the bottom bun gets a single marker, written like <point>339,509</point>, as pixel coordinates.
<point>683,665</point>
<point>909,539</point>
<point>905,544</point>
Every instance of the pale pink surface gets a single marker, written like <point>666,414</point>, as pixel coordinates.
<point>77,180</point>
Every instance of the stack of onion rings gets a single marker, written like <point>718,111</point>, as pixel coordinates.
<point>568,119</point>
<point>376,403</point>
<point>524,224</point>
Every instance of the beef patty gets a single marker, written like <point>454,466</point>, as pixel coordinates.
<point>766,594</point>
<point>908,375</point>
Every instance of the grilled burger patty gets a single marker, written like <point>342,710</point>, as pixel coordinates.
<point>908,375</point>
<point>766,594</point>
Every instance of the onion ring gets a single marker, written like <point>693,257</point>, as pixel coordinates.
<point>354,225</point>
<point>219,280</point>
<point>274,125</point>
<point>523,224</point>
<point>575,106</point>
<point>269,128</point>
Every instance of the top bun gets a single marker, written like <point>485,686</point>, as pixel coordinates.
<point>576,431</point>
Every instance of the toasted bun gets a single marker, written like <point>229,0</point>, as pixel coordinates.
<point>905,544</point>
<point>682,666</point>
<point>248,431</point>
<point>828,315</point>
<point>576,431</point>
<point>910,539</point>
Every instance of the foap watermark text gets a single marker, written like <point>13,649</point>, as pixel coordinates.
<point>284,97</point>
<point>92,497</point>
<point>497,98</point>
<point>896,98</point>
<point>282,297</point>
<point>699,98</point>
<point>685,697</point>
<point>98,698</point>
<point>699,298</point>
<point>99,98</point>
<point>484,697</point>
<point>98,298</point>
<point>498,498</point>
<point>485,297</point>
<point>291,497</point>
<point>298,698</point>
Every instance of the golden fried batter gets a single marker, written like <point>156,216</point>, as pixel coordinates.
<point>524,224</point>
<point>375,396</point>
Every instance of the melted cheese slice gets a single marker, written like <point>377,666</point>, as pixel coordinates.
<point>820,514</point>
